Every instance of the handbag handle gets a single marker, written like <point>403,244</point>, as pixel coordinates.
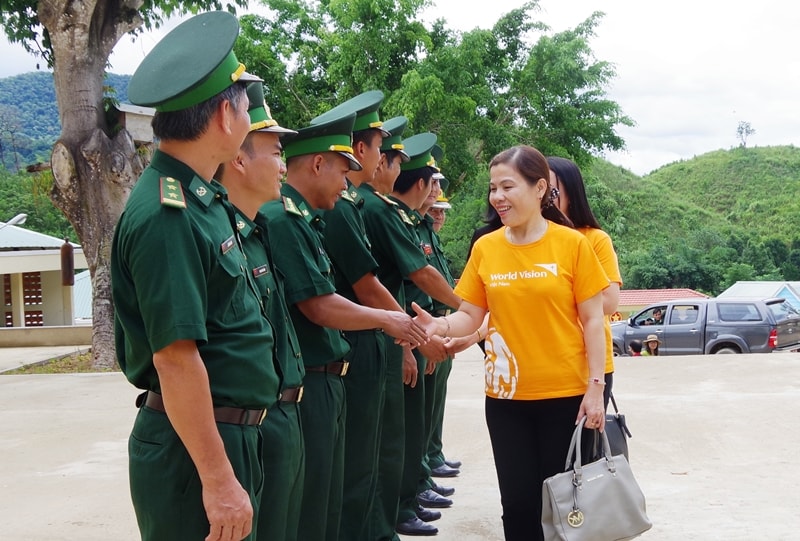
<point>575,448</point>
<point>614,402</point>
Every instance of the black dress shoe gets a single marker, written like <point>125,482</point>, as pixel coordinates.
<point>444,471</point>
<point>453,463</point>
<point>426,515</point>
<point>429,498</point>
<point>414,526</point>
<point>443,491</point>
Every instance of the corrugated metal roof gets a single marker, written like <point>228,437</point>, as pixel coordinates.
<point>137,109</point>
<point>13,238</point>
<point>642,297</point>
<point>763,289</point>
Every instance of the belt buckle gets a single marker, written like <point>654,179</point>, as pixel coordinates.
<point>345,367</point>
<point>263,416</point>
<point>300,394</point>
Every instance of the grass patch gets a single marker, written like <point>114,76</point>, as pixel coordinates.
<point>68,364</point>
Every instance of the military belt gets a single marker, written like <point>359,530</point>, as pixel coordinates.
<point>222,414</point>
<point>336,367</point>
<point>292,394</point>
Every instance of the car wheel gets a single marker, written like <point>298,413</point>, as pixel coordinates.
<point>722,351</point>
<point>617,352</point>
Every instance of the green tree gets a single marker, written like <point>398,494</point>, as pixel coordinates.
<point>93,168</point>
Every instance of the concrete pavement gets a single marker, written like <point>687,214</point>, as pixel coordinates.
<point>714,448</point>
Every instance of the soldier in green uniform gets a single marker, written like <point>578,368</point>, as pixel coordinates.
<point>436,375</point>
<point>349,249</point>
<point>397,251</point>
<point>318,160</point>
<point>189,326</point>
<point>252,178</point>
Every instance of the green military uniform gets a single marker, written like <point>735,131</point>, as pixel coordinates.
<point>414,397</point>
<point>398,254</point>
<point>295,232</point>
<point>435,383</point>
<point>179,273</point>
<point>348,246</point>
<point>283,449</point>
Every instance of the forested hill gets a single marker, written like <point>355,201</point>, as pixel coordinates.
<point>29,122</point>
<point>706,222</point>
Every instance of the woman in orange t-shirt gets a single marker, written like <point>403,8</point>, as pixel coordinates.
<point>573,203</point>
<point>541,284</point>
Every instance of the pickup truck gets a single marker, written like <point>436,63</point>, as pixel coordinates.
<point>705,326</point>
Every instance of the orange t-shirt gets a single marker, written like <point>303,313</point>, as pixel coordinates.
<point>534,348</point>
<point>602,246</point>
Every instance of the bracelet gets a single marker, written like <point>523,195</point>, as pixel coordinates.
<point>597,381</point>
<point>478,332</point>
<point>448,327</point>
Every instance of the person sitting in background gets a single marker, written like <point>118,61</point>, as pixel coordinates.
<point>635,348</point>
<point>651,345</point>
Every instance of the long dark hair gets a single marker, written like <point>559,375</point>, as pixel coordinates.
<point>532,165</point>
<point>571,181</point>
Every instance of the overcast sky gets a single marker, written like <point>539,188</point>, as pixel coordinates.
<point>688,71</point>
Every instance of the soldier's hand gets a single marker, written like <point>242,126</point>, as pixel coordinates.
<point>229,511</point>
<point>405,330</point>
<point>434,351</point>
<point>410,371</point>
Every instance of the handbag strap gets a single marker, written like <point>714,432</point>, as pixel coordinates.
<point>575,448</point>
<point>614,402</point>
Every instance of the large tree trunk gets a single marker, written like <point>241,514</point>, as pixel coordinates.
<point>93,172</point>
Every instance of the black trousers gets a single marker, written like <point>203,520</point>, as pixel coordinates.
<point>530,440</point>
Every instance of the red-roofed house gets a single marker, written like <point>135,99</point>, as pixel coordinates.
<point>631,300</point>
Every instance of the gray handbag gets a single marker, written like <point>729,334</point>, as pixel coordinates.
<point>600,501</point>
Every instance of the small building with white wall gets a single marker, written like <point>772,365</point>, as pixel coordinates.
<point>33,294</point>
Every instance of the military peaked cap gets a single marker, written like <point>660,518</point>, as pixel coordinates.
<point>191,64</point>
<point>419,148</point>
<point>395,127</point>
<point>260,115</point>
<point>365,106</point>
<point>335,135</point>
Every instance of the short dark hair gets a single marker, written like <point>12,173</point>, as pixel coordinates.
<point>366,136</point>
<point>190,123</point>
<point>571,181</point>
<point>407,179</point>
<point>636,346</point>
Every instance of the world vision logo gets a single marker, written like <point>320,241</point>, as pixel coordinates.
<point>540,270</point>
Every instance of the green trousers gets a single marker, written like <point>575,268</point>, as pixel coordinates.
<point>383,514</point>
<point>284,468</point>
<point>165,486</point>
<point>415,442</point>
<point>365,385</point>
<point>322,414</point>
<point>436,396</point>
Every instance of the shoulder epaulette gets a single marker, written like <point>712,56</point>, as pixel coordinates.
<point>289,206</point>
<point>172,193</point>
<point>405,217</point>
<point>386,199</point>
